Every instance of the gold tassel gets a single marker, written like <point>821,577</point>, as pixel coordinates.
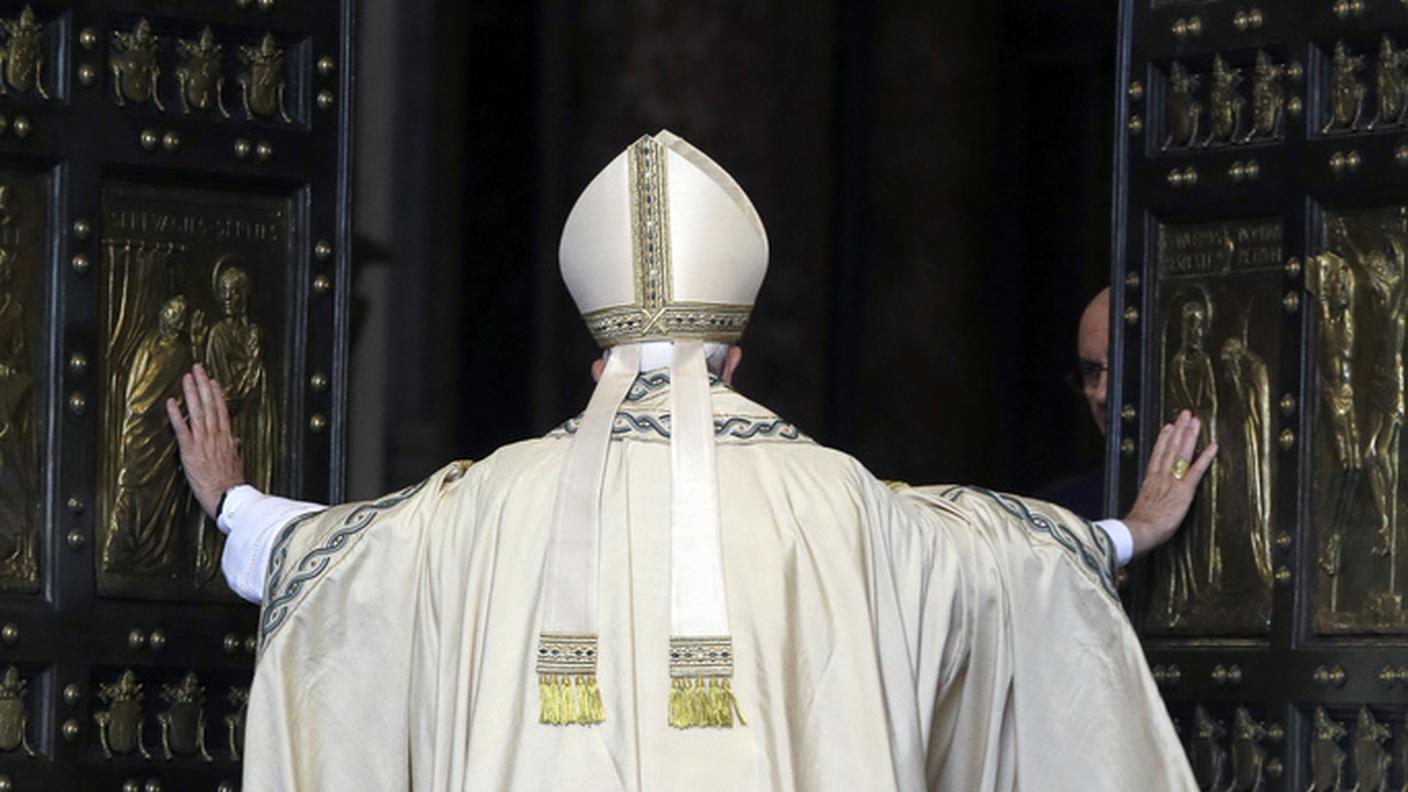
<point>698,702</point>
<point>564,700</point>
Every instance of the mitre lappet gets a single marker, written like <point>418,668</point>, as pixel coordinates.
<point>662,249</point>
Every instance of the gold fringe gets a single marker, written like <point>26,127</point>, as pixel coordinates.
<point>564,699</point>
<point>709,701</point>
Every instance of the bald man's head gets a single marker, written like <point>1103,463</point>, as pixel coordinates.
<point>1093,350</point>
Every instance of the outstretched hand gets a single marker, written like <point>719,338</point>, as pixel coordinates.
<point>210,454</point>
<point>1164,498</point>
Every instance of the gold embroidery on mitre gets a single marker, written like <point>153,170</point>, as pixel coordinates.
<point>655,315</point>
<point>701,693</point>
<point>567,688</point>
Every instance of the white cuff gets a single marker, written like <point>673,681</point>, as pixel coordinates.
<point>1121,537</point>
<point>253,520</point>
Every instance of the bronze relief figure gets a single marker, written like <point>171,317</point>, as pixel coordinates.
<point>262,84</point>
<point>1346,92</point>
<point>17,430</point>
<point>1268,99</point>
<point>151,493</point>
<point>201,74</point>
<point>23,54</point>
<point>1182,111</point>
<point>135,67</point>
<point>1389,85</point>
<point>1227,103</point>
<point>232,350</point>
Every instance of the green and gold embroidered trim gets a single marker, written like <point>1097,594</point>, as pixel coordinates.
<point>567,687</point>
<point>701,694</point>
<point>655,315</point>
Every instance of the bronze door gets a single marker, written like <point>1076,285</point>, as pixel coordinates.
<point>1259,280</point>
<point>173,189</point>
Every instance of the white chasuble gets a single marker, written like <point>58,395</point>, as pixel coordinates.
<point>940,638</point>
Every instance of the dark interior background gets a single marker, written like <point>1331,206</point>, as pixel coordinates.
<point>934,178</point>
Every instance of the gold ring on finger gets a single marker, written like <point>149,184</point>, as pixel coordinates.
<point>1179,469</point>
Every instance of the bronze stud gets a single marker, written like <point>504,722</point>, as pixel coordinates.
<point>251,644</point>
<point>1287,439</point>
<point>157,640</point>
<point>10,634</point>
<point>325,99</point>
<point>1294,106</point>
<point>1131,316</point>
<point>1253,170</point>
<point>318,382</point>
<point>75,504</point>
<point>1351,160</point>
<point>71,730</point>
<point>1292,267</point>
<point>1127,446</point>
<point>1236,171</point>
<point>1136,90</point>
<point>82,230</point>
<point>322,284</point>
<point>322,250</point>
<point>80,263</point>
<point>1283,576</point>
<point>326,65</point>
<point>318,423</point>
<point>1283,541</point>
<point>1291,302</point>
<point>136,639</point>
<point>21,127</point>
<point>1131,280</point>
<point>1127,413</point>
<point>266,5</point>
<point>231,643</point>
<point>152,785</point>
<point>130,785</point>
<point>87,38</point>
<point>87,75</point>
<point>76,539</point>
<point>1136,125</point>
<point>77,364</point>
<point>77,403</point>
<point>171,142</point>
<point>149,139</point>
<point>264,151</point>
<point>1288,404</point>
<point>73,694</point>
<point>242,148</point>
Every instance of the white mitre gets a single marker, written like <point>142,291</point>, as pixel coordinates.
<point>662,247</point>
<point>645,269</point>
